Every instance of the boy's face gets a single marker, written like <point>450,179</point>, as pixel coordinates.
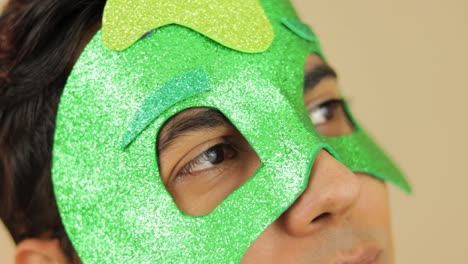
<point>182,148</point>
<point>340,217</point>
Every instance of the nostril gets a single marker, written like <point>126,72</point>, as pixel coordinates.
<point>321,217</point>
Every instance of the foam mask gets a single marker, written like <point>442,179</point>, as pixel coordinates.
<point>243,58</point>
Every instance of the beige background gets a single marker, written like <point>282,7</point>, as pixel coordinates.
<point>403,65</point>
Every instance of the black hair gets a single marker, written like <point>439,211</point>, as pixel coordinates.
<point>39,43</point>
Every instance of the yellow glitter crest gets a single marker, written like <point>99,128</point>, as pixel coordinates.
<point>241,25</point>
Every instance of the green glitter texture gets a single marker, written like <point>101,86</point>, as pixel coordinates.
<point>113,202</point>
<point>240,24</point>
<point>301,29</point>
<point>176,90</point>
<point>304,31</point>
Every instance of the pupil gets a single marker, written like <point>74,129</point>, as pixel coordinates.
<point>215,155</point>
<point>326,112</point>
<point>328,109</point>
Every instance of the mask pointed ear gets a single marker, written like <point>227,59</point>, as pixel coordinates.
<point>34,251</point>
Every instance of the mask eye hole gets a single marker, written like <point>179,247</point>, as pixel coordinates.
<point>323,101</point>
<point>203,158</point>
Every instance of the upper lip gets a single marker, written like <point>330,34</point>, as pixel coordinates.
<point>364,254</point>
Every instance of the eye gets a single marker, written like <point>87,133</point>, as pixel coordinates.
<point>202,159</point>
<point>325,111</point>
<point>322,99</point>
<point>209,159</point>
<point>330,118</point>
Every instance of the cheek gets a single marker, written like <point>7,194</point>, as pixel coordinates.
<point>369,221</point>
<point>372,212</point>
<point>372,207</point>
<point>370,217</point>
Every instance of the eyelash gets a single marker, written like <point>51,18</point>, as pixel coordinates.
<point>330,105</point>
<point>204,157</point>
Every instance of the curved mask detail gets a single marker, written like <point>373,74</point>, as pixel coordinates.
<point>241,25</point>
<point>178,89</point>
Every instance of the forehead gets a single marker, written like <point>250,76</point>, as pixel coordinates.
<point>206,40</point>
<point>163,67</point>
<point>173,50</point>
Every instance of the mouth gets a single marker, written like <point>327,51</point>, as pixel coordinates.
<point>364,254</point>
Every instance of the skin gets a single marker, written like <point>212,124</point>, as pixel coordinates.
<point>341,217</point>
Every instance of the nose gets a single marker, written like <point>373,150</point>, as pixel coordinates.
<point>329,198</point>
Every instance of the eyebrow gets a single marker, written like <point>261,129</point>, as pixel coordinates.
<point>318,73</point>
<point>190,122</point>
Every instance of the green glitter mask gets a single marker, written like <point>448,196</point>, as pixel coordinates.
<point>111,198</point>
